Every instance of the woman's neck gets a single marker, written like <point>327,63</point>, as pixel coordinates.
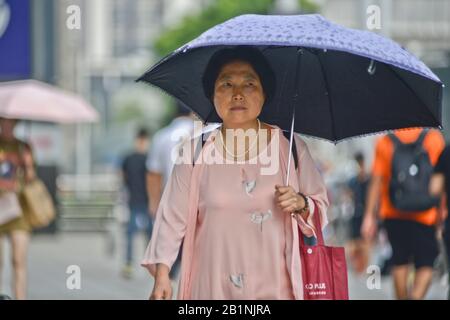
<point>250,142</point>
<point>253,124</point>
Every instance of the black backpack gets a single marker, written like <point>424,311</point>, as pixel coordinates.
<point>411,173</point>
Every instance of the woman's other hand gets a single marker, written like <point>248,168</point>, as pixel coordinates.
<point>162,289</point>
<point>30,173</point>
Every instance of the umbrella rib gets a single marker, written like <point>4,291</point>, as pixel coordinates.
<point>209,115</point>
<point>389,67</point>
<point>330,103</point>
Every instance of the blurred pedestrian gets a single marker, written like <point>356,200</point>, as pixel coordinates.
<point>440,186</point>
<point>239,227</point>
<point>16,170</point>
<point>358,246</point>
<point>133,172</point>
<point>160,160</point>
<point>400,178</point>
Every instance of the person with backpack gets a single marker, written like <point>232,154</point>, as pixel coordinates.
<point>401,174</point>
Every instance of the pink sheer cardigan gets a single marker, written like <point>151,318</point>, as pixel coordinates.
<point>175,222</point>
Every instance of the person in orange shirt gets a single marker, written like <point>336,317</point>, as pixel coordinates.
<point>412,234</point>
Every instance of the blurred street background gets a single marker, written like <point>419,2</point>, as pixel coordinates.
<point>51,256</point>
<point>100,59</point>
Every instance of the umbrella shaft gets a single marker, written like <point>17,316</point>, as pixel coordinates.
<point>290,147</point>
<point>294,104</point>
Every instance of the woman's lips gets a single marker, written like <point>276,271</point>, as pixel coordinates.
<point>238,108</point>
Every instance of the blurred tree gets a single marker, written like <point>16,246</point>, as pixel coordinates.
<point>135,103</point>
<point>308,6</point>
<point>218,12</point>
<point>129,111</point>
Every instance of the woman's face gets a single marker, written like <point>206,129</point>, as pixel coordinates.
<point>238,94</point>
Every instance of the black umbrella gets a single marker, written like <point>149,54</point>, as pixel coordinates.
<point>331,82</point>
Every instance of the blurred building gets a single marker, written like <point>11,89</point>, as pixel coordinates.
<point>27,45</point>
<point>101,61</point>
<point>113,46</point>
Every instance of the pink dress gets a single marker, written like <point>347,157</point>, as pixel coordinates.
<point>240,244</point>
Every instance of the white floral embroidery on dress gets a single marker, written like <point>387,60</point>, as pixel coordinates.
<point>260,217</point>
<point>238,280</point>
<point>248,184</point>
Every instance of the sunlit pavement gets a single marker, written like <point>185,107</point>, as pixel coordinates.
<point>100,268</point>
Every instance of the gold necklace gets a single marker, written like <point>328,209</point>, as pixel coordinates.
<point>249,148</point>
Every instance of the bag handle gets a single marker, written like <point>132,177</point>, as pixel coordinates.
<point>421,138</point>
<point>317,224</point>
<point>316,218</point>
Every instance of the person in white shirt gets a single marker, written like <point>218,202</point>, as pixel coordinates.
<point>160,161</point>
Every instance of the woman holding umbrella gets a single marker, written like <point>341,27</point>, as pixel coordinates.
<point>16,169</point>
<point>330,83</point>
<point>240,242</point>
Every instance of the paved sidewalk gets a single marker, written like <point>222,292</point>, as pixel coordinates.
<point>50,256</point>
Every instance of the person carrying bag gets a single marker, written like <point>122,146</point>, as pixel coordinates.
<point>16,171</point>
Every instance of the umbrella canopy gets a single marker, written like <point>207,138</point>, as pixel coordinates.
<point>338,82</point>
<point>38,101</point>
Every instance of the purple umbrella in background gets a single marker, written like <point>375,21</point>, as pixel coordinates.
<point>332,82</point>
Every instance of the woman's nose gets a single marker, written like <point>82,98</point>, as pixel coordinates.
<point>237,95</point>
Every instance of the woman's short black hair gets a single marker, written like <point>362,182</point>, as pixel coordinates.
<point>252,56</point>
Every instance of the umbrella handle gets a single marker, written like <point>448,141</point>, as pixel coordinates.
<point>291,139</point>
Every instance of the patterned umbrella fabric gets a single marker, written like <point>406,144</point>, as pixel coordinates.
<point>348,82</point>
